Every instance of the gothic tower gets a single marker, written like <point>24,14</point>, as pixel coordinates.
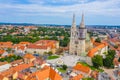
<point>73,37</point>
<point>82,37</point>
<point>77,39</point>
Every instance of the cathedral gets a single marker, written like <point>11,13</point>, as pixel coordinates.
<point>78,38</point>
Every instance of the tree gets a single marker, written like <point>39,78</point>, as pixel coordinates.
<point>54,38</point>
<point>34,52</point>
<point>115,46</point>
<point>112,53</point>
<point>64,67</point>
<point>50,53</point>
<point>98,40</point>
<point>97,61</point>
<point>64,42</point>
<point>108,62</point>
<point>119,59</point>
<point>9,50</point>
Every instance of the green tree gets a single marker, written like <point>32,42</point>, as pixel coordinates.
<point>97,61</point>
<point>54,38</point>
<point>50,53</point>
<point>64,67</point>
<point>108,62</point>
<point>112,53</point>
<point>98,40</point>
<point>119,59</point>
<point>115,46</point>
<point>64,42</point>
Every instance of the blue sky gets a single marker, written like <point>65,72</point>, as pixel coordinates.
<point>97,12</point>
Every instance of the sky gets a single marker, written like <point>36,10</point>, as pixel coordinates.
<point>96,12</point>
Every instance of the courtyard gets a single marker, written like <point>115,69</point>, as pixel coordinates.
<point>69,60</point>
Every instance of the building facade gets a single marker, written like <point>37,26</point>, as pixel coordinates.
<point>78,37</point>
<point>43,46</point>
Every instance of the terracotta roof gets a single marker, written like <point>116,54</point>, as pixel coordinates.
<point>45,41</point>
<point>78,77</point>
<point>22,66</point>
<point>96,44</point>
<point>2,51</point>
<point>18,68</point>
<point>43,44</point>
<point>16,62</point>
<point>29,56</point>
<point>46,72</point>
<point>9,43</point>
<point>1,77</point>
<point>26,43</point>
<point>6,44</point>
<point>82,68</point>
<point>2,63</point>
<point>94,50</point>
<point>33,46</point>
<point>21,48</point>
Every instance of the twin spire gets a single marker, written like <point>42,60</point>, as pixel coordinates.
<point>82,25</point>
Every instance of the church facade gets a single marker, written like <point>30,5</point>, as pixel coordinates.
<point>78,38</point>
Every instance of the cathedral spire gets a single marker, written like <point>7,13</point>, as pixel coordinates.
<point>73,18</point>
<point>73,23</point>
<point>82,25</point>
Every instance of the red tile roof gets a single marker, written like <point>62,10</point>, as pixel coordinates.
<point>2,51</point>
<point>1,77</point>
<point>92,52</point>
<point>26,43</point>
<point>29,56</point>
<point>2,63</point>
<point>82,68</point>
<point>18,68</point>
<point>6,44</point>
<point>46,72</point>
<point>43,44</point>
<point>33,46</point>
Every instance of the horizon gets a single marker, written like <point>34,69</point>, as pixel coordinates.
<point>12,23</point>
<point>97,12</point>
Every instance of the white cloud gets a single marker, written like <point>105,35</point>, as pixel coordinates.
<point>98,7</point>
<point>57,1</point>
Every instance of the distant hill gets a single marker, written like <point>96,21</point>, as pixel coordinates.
<point>56,25</point>
<point>22,24</point>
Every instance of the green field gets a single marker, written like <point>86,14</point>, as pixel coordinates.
<point>61,70</point>
<point>52,57</point>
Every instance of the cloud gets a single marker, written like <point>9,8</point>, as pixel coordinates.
<point>63,8</point>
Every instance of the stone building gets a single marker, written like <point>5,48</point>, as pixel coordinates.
<point>78,38</point>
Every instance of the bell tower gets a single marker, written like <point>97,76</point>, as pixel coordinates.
<point>72,49</point>
<point>82,36</point>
